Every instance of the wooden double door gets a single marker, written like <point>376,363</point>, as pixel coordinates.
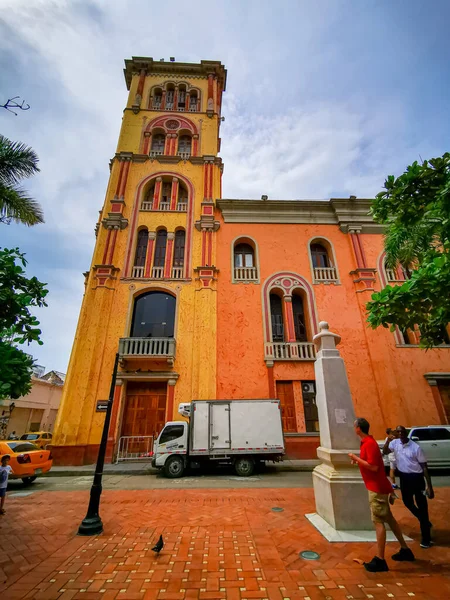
<point>145,408</point>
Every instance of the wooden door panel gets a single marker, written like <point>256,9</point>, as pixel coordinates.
<point>145,409</point>
<point>285,393</point>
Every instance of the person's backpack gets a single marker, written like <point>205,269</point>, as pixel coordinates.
<point>3,476</point>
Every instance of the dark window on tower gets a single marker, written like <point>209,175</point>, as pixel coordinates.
<point>178,255</point>
<point>158,142</point>
<point>141,248</point>
<point>153,315</point>
<point>276,315</point>
<point>319,256</point>
<point>160,248</point>
<point>166,191</point>
<point>185,144</point>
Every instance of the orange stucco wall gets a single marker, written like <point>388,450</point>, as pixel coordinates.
<point>387,382</point>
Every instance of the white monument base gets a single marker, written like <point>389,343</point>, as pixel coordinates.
<point>335,535</point>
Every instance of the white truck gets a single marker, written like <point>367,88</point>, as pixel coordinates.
<point>238,432</point>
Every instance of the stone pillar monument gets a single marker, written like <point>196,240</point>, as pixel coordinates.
<point>341,497</point>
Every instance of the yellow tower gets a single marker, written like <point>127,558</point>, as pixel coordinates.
<point>150,293</point>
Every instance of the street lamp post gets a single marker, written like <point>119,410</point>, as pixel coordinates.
<point>92,523</point>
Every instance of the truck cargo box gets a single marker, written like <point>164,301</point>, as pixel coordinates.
<point>222,427</point>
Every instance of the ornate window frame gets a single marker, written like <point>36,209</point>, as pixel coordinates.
<point>245,239</point>
<point>329,247</point>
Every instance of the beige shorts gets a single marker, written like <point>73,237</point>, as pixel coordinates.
<point>380,508</point>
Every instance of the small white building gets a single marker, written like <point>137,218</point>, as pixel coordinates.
<point>37,410</point>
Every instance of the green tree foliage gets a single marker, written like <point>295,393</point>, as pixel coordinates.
<point>17,162</point>
<point>17,324</point>
<point>415,208</point>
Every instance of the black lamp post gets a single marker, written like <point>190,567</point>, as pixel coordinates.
<point>92,523</point>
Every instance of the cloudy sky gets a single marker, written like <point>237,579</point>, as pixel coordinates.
<point>324,98</point>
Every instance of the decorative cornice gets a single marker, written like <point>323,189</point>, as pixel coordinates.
<point>153,67</point>
<point>347,213</point>
<point>435,378</point>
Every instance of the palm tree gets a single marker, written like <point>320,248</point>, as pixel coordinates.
<point>17,161</point>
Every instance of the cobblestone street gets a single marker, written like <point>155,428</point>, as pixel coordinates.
<point>218,544</point>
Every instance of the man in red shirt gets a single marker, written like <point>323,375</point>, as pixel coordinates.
<point>379,487</point>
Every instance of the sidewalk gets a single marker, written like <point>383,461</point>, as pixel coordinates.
<point>229,546</point>
<point>145,468</point>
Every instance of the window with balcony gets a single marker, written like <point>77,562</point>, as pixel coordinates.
<point>158,144</point>
<point>170,96</point>
<point>181,104</point>
<point>397,274</point>
<point>276,317</point>
<point>157,99</point>
<point>166,194</point>
<point>193,101</point>
<point>299,318</point>
<point>152,328</point>
<point>185,146</point>
<point>160,254</point>
<point>178,255</point>
<point>324,271</point>
<point>244,262</point>
<point>141,253</point>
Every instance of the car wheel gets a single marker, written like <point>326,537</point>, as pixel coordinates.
<point>174,467</point>
<point>244,466</point>
<point>28,480</point>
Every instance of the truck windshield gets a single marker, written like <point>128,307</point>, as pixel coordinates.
<point>171,432</point>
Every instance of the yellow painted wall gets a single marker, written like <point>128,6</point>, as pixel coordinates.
<point>106,311</point>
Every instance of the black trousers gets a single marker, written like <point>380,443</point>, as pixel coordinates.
<point>412,486</point>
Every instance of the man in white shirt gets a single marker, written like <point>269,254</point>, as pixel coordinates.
<point>413,469</point>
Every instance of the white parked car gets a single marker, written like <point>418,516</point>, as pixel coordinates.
<point>434,441</point>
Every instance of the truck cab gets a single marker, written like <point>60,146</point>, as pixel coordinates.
<point>171,447</point>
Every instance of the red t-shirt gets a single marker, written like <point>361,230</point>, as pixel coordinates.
<point>375,481</point>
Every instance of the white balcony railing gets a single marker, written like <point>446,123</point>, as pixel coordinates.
<point>164,206</point>
<point>154,347</point>
<point>289,351</point>
<point>138,272</point>
<point>158,272</point>
<point>245,274</point>
<point>182,206</point>
<point>169,106</point>
<point>156,105</point>
<point>393,276</point>
<point>147,206</point>
<point>325,274</point>
<point>154,153</point>
<point>177,272</point>
<point>184,155</point>
<point>193,107</point>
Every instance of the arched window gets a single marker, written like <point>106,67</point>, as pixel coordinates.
<point>154,316</point>
<point>157,99</point>
<point>147,199</point>
<point>178,255</point>
<point>170,94</point>
<point>193,101</point>
<point>141,254</point>
<point>185,145</point>
<point>182,197</point>
<point>181,97</point>
<point>397,274</point>
<point>166,193</point>
<point>243,256</point>
<point>160,254</point>
<point>158,143</point>
<point>321,254</point>
<point>276,316</point>
<point>301,334</point>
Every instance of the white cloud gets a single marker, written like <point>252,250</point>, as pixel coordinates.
<point>308,112</point>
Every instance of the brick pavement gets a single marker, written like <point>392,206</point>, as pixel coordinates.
<point>219,544</point>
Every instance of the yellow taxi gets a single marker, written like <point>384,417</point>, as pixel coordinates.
<point>41,439</point>
<point>27,460</point>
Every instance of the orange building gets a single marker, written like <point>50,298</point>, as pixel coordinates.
<point>284,266</point>
<point>206,298</point>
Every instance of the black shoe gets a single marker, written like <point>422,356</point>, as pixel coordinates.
<point>424,544</point>
<point>403,554</point>
<point>376,565</point>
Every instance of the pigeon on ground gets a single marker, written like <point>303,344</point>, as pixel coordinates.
<point>159,545</point>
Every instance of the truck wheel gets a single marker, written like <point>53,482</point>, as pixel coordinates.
<point>244,467</point>
<point>28,480</point>
<point>174,467</point>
